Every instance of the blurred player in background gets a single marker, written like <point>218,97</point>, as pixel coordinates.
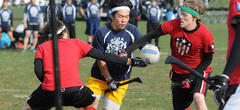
<point>73,91</point>
<point>69,17</point>
<point>192,43</point>
<point>113,37</point>
<point>135,12</point>
<point>92,16</point>
<point>33,21</point>
<point>229,94</point>
<point>154,14</point>
<point>58,13</point>
<point>6,23</point>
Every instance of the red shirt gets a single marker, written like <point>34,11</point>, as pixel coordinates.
<point>70,51</point>
<point>188,47</point>
<point>234,9</point>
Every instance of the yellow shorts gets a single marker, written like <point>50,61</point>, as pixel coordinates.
<point>98,87</point>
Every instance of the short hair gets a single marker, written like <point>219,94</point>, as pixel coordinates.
<point>118,3</point>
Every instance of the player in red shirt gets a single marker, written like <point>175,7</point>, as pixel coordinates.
<point>73,91</point>
<point>229,93</point>
<point>192,43</point>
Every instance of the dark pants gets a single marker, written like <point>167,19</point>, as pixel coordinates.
<point>152,27</point>
<point>133,21</point>
<point>71,29</point>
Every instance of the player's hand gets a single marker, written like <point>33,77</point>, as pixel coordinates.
<point>220,88</point>
<point>138,62</point>
<point>85,17</point>
<point>112,84</point>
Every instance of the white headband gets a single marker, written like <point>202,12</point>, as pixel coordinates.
<point>120,8</point>
<point>59,31</point>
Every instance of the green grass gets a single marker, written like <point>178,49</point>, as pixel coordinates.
<point>18,79</point>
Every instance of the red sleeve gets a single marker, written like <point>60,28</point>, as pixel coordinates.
<point>208,43</point>
<point>84,48</point>
<point>235,8</point>
<point>39,53</point>
<point>169,26</point>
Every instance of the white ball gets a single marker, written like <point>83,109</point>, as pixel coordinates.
<point>150,54</point>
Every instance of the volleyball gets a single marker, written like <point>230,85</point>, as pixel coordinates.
<point>150,54</point>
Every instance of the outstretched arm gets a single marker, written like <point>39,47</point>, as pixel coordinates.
<point>234,56</point>
<point>107,57</point>
<point>141,41</point>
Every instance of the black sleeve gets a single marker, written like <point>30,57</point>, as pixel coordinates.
<point>142,41</point>
<point>207,59</point>
<point>38,69</point>
<point>97,54</point>
<point>234,56</point>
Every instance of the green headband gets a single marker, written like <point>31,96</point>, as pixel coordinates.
<point>190,11</point>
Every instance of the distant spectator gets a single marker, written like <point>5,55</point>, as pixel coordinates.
<point>92,16</point>
<point>178,8</point>
<point>135,12</point>
<point>69,17</point>
<point>206,3</point>
<point>154,15</point>
<point>6,23</point>
<point>58,11</point>
<point>33,21</point>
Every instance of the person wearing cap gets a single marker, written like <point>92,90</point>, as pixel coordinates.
<point>192,43</point>
<point>113,37</point>
<point>74,92</point>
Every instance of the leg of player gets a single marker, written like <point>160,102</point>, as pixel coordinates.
<point>108,104</point>
<point>35,40</point>
<point>10,34</point>
<point>199,101</point>
<point>26,39</point>
<point>26,107</point>
<point>94,105</point>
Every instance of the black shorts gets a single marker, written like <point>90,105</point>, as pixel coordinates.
<point>73,96</point>
<point>183,97</point>
<point>33,27</point>
<point>6,30</point>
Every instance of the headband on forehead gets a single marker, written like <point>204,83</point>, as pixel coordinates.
<point>59,31</point>
<point>120,8</point>
<point>190,11</point>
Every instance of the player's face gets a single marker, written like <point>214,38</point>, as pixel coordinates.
<point>120,19</point>
<point>5,5</point>
<point>93,0</point>
<point>187,21</point>
<point>154,3</point>
<point>69,1</point>
<point>34,2</point>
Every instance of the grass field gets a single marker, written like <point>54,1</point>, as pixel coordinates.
<point>18,79</point>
